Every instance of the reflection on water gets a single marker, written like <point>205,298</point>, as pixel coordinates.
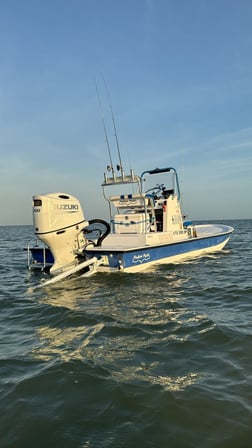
<point>67,344</point>
<point>175,383</point>
<point>118,355</point>
<point>131,331</point>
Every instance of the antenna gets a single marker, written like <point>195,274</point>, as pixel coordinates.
<point>111,167</point>
<point>119,167</point>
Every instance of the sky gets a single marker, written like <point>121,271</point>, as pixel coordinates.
<point>179,76</point>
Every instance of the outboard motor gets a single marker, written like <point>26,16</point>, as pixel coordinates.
<point>58,221</point>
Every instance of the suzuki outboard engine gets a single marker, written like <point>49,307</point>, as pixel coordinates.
<point>58,221</point>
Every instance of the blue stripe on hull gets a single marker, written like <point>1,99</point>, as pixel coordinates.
<point>131,258</point>
<point>171,250</point>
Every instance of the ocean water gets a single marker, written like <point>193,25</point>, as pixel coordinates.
<point>156,359</point>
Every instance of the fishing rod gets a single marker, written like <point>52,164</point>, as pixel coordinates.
<point>119,167</point>
<point>105,130</point>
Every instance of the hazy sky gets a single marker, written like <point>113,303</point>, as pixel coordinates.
<point>180,79</point>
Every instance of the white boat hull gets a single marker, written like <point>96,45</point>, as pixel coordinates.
<point>177,258</point>
<point>140,258</point>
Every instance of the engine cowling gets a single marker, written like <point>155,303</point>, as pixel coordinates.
<point>58,221</point>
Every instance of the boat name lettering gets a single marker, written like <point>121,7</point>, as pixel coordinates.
<point>141,258</point>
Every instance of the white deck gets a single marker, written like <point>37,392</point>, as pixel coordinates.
<point>135,241</point>
<point>211,229</point>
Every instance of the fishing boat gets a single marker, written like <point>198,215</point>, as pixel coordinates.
<point>146,224</point>
<point>146,227</point>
